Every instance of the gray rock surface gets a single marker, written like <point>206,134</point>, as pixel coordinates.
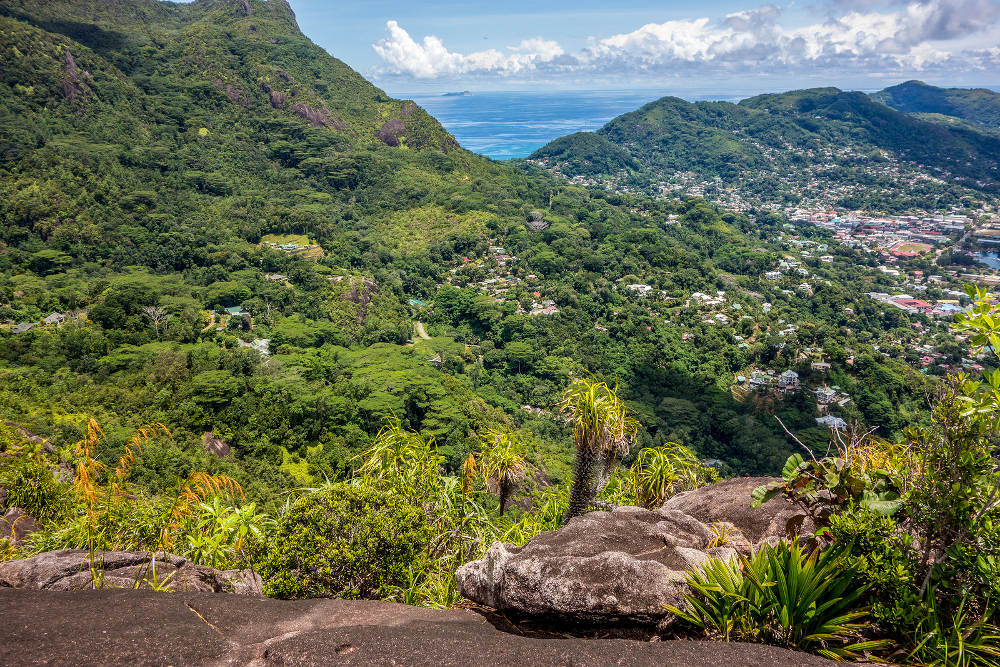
<point>215,445</point>
<point>729,501</point>
<point>601,566</point>
<point>70,570</point>
<point>16,525</point>
<point>115,627</point>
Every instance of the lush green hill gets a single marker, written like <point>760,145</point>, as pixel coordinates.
<point>589,152</point>
<point>790,143</point>
<point>979,107</point>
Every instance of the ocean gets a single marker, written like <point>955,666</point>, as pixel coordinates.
<point>505,125</point>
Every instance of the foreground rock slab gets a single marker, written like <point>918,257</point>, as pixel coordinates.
<point>602,566</point>
<point>115,627</point>
<point>71,570</point>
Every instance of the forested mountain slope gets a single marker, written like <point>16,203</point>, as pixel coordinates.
<point>799,143</point>
<point>181,182</point>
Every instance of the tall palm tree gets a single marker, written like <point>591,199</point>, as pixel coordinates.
<point>604,433</point>
<point>503,464</point>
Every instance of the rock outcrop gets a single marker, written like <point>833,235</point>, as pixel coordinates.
<point>391,131</point>
<point>115,627</point>
<point>72,84</point>
<point>70,570</point>
<point>233,93</point>
<point>276,96</point>
<point>601,567</point>
<point>729,501</point>
<point>215,445</point>
<point>317,117</point>
<point>626,564</point>
<point>361,292</point>
<point>28,435</point>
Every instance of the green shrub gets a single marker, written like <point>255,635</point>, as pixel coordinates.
<point>781,596</point>
<point>31,486</point>
<point>880,554</point>
<point>344,541</point>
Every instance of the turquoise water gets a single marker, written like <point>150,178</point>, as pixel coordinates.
<point>513,124</point>
<point>504,125</point>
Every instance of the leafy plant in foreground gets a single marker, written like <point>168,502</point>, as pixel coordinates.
<point>783,596</point>
<point>881,554</point>
<point>660,472</point>
<point>861,472</point>
<point>955,638</point>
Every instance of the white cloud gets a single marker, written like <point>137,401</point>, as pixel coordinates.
<point>431,59</point>
<point>916,36</point>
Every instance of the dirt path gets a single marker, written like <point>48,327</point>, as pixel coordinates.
<point>419,326</point>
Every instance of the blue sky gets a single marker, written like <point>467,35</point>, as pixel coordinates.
<point>714,45</point>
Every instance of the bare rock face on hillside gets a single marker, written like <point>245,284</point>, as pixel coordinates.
<point>318,117</point>
<point>600,567</point>
<point>70,570</point>
<point>233,93</point>
<point>360,292</point>
<point>215,445</point>
<point>729,501</point>
<point>276,96</point>
<point>537,222</point>
<point>72,84</point>
<point>391,131</point>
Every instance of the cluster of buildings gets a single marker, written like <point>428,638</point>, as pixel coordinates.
<point>785,383</point>
<point>947,308</point>
<point>898,236</point>
<point>499,280</point>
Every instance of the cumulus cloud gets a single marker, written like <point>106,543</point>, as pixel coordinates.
<point>915,36</point>
<point>430,58</point>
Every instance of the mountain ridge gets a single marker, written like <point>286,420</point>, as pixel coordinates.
<point>774,136</point>
<point>980,107</point>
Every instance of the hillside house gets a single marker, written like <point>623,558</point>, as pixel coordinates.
<point>788,382</point>
<point>825,395</point>
<point>835,423</point>
<point>640,289</point>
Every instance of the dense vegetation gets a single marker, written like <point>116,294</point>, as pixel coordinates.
<point>902,566</point>
<point>149,149</point>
